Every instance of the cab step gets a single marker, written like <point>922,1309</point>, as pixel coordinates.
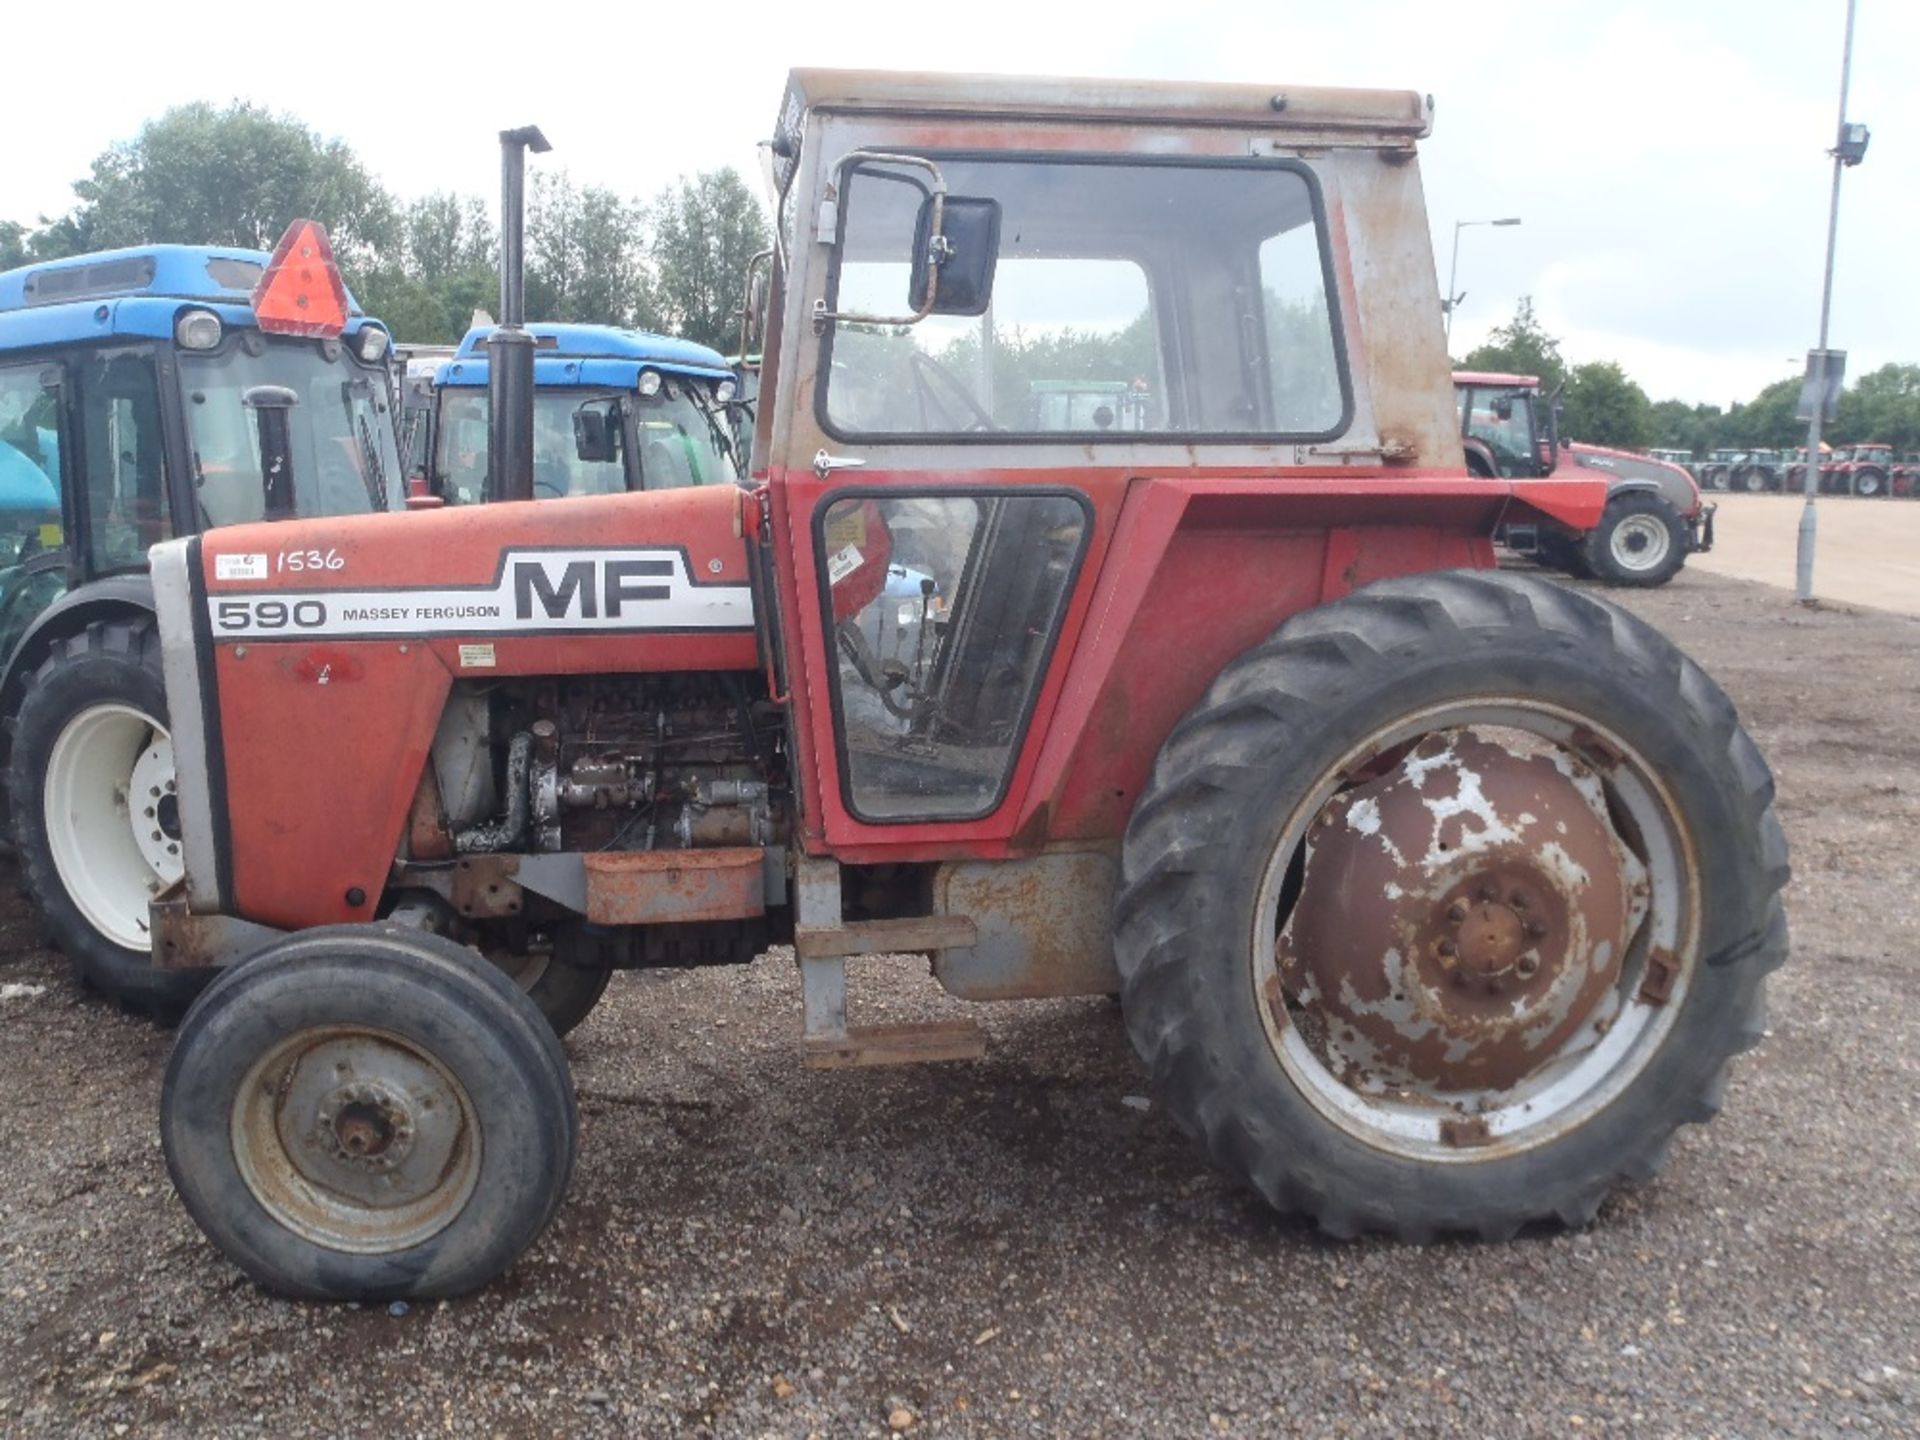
<point>920,935</point>
<point>895,1045</point>
<point>822,941</point>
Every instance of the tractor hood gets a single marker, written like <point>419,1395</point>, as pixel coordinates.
<point>303,653</point>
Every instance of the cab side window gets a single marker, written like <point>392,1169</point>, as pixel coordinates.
<point>125,460</point>
<point>33,568</point>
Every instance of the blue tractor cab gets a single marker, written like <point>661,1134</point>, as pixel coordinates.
<point>613,410</point>
<point>147,393</point>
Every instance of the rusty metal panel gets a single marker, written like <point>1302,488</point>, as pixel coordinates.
<point>1045,926</point>
<point>665,887</point>
<point>183,940</point>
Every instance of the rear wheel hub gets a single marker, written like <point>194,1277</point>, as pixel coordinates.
<point>1461,916</point>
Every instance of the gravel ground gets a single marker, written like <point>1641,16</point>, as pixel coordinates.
<point>1022,1246</point>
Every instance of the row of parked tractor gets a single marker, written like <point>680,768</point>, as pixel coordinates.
<point>1868,471</point>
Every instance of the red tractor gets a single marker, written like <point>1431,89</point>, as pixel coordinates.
<point>1436,899</point>
<point>1654,516</point>
<point>1864,470</point>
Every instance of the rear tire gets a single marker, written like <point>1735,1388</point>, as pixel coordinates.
<point>1870,483</point>
<point>368,1112</point>
<point>1640,541</point>
<point>94,817</point>
<point>564,993</point>
<point>1240,781</point>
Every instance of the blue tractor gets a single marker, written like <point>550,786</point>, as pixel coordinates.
<point>147,393</point>
<point>613,410</point>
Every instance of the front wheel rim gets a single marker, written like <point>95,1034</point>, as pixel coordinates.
<point>1615,1040</point>
<point>1640,543</point>
<point>356,1139</point>
<point>112,818</point>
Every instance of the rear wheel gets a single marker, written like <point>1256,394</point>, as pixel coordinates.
<point>1870,482</point>
<point>1640,540</point>
<point>563,992</point>
<point>96,820</point>
<point>1413,929</point>
<point>364,1112</point>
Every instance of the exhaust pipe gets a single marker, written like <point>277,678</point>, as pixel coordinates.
<point>510,347</point>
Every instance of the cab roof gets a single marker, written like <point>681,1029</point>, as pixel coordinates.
<point>602,355</point>
<point>1403,114</point>
<point>134,291</point>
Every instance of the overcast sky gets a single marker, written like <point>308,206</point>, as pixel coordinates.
<point>1667,159</point>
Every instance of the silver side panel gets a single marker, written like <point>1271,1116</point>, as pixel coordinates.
<point>180,662</point>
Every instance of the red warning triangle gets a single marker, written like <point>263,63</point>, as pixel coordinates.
<point>301,292</point>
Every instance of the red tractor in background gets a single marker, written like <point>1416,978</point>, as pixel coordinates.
<point>1654,516</point>
<point>1863,470</point>
<point>1435,898</point>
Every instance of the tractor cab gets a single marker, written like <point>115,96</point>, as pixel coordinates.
<point>614,410</point>
<point>1509,429</point>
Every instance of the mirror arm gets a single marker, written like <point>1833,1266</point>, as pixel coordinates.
<point>746,298</point>
<point>822,316</point>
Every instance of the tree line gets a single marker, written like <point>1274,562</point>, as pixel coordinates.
<point>235,175</point>
<point>1604,406</point>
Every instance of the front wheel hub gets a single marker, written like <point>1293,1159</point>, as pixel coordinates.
<point>1462,916</point>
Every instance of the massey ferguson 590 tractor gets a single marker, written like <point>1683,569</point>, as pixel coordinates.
<point>1436,899</point>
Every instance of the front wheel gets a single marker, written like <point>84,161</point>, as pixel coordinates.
<point>96,819</point>
<point>1416,929</point>
<point>1640,540</point>
<point>368,1112</point>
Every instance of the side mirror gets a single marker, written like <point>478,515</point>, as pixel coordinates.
<point>953,267</point>
<point>753,304</point>
<point>596,435</point>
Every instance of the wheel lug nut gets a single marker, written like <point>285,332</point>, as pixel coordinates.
<point>1517,901</point>
<point>1457,912</point>
<point>1527,967</point>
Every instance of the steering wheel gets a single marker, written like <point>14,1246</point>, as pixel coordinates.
<point>925,369</point>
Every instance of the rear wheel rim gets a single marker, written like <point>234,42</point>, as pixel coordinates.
<point>112,818</point>
<point>356,1139</point>
<point>1616,1039</point>
<point>1640,543</point>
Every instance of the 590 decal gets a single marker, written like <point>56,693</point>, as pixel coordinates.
<point>539,591</point>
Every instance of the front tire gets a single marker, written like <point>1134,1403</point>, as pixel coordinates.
<point>1640,541</point>
<point>1310,733</point>
<point>367,1112</point>
<point>95,818</point>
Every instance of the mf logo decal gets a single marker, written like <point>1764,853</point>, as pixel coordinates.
<point>536,591</point>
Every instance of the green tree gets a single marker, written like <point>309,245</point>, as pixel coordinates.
<point>13,244</point>
<point>1604,407</point>
<point>1520,347</point>
<point>234,176</point>
<point>586,255</point>
<point>704,232</point>
<point>1767,422</point>
<point>1678,425</point>
<point>448,235</point>
<point>1882,405</point>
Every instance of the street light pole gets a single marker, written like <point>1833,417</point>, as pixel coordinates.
<point>1817,363</point>
<point>1454,297</point>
